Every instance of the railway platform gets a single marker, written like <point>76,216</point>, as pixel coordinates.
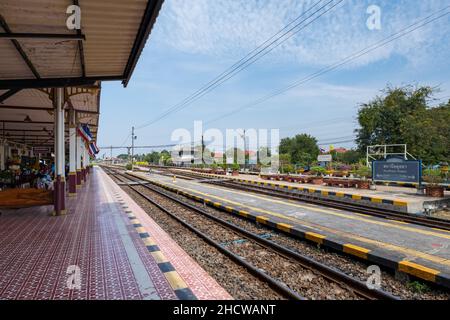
<point>105,247</point>
<point>423,252</point>
<point>390,197</point>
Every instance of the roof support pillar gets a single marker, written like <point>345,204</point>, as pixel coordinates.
<point>59,182</point>
<point>3,149</point>
<point>83,161</point>
<point>79,155</point>
<point>72,154</point>
<point>86,163</point>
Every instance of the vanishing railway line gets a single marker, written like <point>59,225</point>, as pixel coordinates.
<point>264,259</point>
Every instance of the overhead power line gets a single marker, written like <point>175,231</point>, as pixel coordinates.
<point>403,32</point>
<point>256,54</point>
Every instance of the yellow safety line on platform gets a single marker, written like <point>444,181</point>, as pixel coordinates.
<point>384,245</point>
<point>356,250</point>
<point>418,270</point>
<point>318,238</point>
<point>342,215</point>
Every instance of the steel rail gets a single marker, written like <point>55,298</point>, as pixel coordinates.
<point>272,282</point>
<point>358,287</point>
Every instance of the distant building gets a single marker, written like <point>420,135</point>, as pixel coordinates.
<point>218,157</point>
<point>340,150</point>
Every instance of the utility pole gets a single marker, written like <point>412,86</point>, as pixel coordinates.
<point>129,153</point>
<point>132,147</point>
<point>245,150</point>
<point>111,159</point>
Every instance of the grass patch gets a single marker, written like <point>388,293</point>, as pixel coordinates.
<point>418,287</point>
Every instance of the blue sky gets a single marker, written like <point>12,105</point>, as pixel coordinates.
<point>193,41</point>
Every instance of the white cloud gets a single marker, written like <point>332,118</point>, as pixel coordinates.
<point>228,29</point>
<point>330,91</point>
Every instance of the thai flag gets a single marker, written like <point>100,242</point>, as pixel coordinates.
<point>91,154</point>
<point>93,148</point>
<point>85,133</point>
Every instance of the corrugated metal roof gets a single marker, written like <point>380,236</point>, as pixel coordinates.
<point>115,32</point>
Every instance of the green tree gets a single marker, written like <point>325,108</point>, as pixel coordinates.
<point>165,157</point>
<point>349,157</point>
<point>285,162</point>
<point>403,116</point>
<point>302,149</point>
<point>152,157</point>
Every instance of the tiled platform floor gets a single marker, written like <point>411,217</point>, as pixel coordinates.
<point>38,250</point>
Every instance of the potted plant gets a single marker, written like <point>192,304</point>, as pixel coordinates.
<point>318,173</point>
<point>363,173</point>
<point>344,170</point>
<point>433,178</point>
<point>235,169</point>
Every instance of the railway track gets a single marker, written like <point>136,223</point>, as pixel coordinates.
<point>358,208</point>
<point>330,275</point>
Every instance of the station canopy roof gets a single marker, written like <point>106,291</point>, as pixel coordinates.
<point>28,116</point>
<point>39,52</point>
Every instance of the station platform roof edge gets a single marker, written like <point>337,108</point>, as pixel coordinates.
<point>38,53</point>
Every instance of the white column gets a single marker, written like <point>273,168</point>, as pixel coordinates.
<point>72,150</point>
<point>60,156</point>
<point>72,146</point>
<point>59,132</point>
<point>83,162</point>
<point>72,155</point>
<point>78,155</point>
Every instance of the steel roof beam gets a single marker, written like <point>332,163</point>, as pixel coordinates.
<point>41,36</point>
<point>54,82</point>
<point>36,122</point>
<point>8,94</point>
<point>148,20</point>
<point>41,109</point>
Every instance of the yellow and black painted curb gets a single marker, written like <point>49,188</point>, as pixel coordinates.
<point>389,260</point>
<point>181,289</point>
<point>407,184</point>
<point>399,205</point>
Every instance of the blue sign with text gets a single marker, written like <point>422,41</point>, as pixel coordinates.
<point>397,170</point>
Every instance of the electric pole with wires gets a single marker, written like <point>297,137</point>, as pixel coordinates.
<point>133,137</point>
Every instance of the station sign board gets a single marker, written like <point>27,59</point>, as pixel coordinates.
<point>325,158</point>
<point>41,150</point>
<point>397,170</point>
